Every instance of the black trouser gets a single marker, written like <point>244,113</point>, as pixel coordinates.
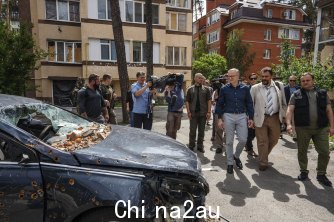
<point>143,120</point>
<point>250,138</point>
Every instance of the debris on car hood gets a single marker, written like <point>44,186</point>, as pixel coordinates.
<point>80,138</point>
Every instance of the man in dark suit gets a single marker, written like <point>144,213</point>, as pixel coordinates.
<point>290,88</point>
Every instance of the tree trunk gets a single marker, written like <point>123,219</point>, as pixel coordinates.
<point>121,56</point>
<point>149,38</point>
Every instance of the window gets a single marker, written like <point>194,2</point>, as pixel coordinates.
<point>105,50</point>
<point>267,54</point>
<point>104,9</point>
<point>213,37</point>
<point>195,28</point>
<point>233,14</point>
<point>291,52</point>
<point>178,3</point>
<point>62,10</point>
<point>139,52</point>
<point>176,21</point>
<point>135,12</point>
<point>69,52</point>
<point>290,14</point>
<point>213,18</point>
<point>269,13</point>
<point>267,34</point>
<point>176,56</point>
<point>108,50</point>
<point>289,33</point>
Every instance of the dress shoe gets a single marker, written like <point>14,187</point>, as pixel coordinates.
<point>324,180</point>
<point>303,176</point>
<point>238,163</point>
<point>263,167</point>
<point>230,169</point>
<point>219,150</point>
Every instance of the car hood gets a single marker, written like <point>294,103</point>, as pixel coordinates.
<point>128,147</point>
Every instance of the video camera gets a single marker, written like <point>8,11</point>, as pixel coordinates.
<point>160,83</point>
<point>218,82</point>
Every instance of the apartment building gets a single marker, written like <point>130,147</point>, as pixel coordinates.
<point>78,36</point>
<point>324,41</point>
<point>265,25</point>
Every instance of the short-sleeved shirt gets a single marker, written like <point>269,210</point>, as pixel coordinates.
<point>90,102</point>
<point>140,103</point>
<point>313,108</point>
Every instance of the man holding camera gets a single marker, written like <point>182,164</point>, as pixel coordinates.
<point>174,96</point>
<point>142,102</point>
<point>198,104</point>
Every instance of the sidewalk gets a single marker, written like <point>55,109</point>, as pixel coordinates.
<point>272,195</point>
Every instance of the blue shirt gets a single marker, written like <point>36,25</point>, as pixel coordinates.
<point>178,92</point>
<point>235,100</point>
<point>142,103</point>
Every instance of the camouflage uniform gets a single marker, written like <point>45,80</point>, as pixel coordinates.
<point>107,93</point>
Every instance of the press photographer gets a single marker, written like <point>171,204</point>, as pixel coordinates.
<point>174,96</point>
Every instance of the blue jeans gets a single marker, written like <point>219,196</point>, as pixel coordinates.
<point>131,119</point>
<point>232,123</point>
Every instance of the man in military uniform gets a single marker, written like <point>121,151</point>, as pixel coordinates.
<point>109,94</point>
<point>74,96</point>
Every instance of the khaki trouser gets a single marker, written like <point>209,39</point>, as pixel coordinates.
<point>321,143</point>
<point>112,116</point>
<point>267,137</point>
<point>219,136</point>
<point>173,123</point>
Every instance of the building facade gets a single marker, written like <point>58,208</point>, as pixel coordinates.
<point>264,24</point>
<point>324,41</point>
<point>78,37</point>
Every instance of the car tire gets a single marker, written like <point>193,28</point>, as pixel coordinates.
<point>104,214</point>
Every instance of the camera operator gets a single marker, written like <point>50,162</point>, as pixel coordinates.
<point>142,102</point>
<point>218,136</point>
<point>174,96</point>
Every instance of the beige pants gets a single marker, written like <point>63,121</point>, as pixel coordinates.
<point>173,124</point>
<point>267,137</point>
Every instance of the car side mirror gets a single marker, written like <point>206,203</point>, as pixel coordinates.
<point>25,159</point>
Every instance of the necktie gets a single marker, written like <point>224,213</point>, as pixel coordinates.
<point>269,102</point>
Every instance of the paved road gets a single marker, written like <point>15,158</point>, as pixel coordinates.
<point>272,195</point>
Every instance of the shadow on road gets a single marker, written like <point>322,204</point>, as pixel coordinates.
<point>288,144</point>
<point>279,183</point>
<point>238,188</point>
<point>321,197</point>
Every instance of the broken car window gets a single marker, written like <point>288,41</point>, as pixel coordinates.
<point>57,127</point>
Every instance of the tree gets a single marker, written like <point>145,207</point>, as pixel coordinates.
<point>286,53</point>
<point>121,57</point>
<point>210,65</point>
<point>149,38</point>
<point>237,52</point>
<point>310,9</point>
<point>323,73</point>
<point>18,57</point>
<point>201,48</point>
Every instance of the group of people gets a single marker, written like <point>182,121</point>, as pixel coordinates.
<point>247,110</point>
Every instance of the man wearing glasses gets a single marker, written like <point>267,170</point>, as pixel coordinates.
<point>251,131</point>
<point>290,88</point>
<point>312,112</point>
<point>235,113</point>
<point>269,112</point>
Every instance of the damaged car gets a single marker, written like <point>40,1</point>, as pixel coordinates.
<point>58,166</point>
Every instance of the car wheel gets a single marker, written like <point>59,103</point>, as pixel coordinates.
<point>106,214</point>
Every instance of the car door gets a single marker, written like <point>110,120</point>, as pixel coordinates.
<point>21,185</point>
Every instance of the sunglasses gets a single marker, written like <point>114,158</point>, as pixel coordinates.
<point>292,80</point>
<point>253,78</point>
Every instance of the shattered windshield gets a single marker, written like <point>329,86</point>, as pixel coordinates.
<point>57,127</point>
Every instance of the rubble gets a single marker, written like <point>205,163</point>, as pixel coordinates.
<point>81,138</point>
